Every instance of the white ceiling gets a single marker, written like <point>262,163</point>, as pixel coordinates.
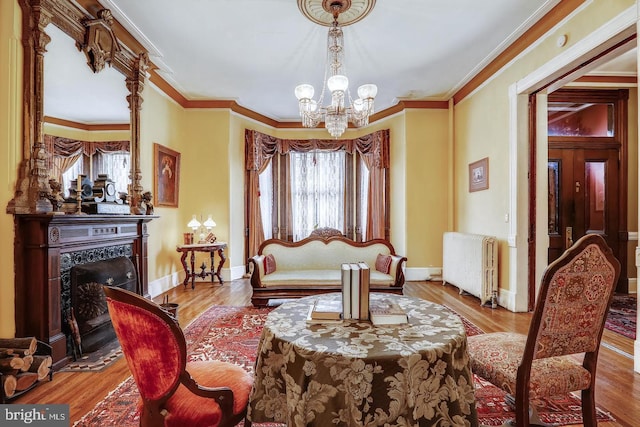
<point>256,51</point>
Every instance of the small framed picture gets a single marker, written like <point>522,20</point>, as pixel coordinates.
<point>479,175</point>
<point>166,168</point>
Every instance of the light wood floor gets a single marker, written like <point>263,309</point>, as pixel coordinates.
<point>618,387</point>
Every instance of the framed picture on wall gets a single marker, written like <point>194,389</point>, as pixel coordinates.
<point>479,175</point>
<point>166,175</point>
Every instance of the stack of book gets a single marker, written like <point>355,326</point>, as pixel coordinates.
<point>385,311</point>
<point>355,290</point>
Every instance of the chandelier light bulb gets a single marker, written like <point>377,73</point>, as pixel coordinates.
<point>304,91</point>
<point>338,83</point>
<point>368,91</point>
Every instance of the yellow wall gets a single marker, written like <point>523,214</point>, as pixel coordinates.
<point>426,188</point>
<point>482,130</point>
<point>86,135</point>
<point>160,123</point>
<point>11,151</point>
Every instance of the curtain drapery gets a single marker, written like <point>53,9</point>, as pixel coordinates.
<point>65,152</point>
<point>374,149</point>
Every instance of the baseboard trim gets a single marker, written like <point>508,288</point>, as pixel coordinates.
<point>414,274</point>
<point>163,284</point>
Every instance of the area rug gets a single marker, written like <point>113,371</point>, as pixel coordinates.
<point>622,315</point>
<point>232,334</point>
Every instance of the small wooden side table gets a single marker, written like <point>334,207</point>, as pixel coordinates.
<point>211,248</point>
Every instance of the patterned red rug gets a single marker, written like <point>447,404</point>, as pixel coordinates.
<point>622,315</point>
<point>232,334</point>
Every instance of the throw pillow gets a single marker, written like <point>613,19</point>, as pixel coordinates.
<point>383,263</point>
<point>269,264</point>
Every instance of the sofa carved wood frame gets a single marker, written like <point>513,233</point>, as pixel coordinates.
<point>262,295</point>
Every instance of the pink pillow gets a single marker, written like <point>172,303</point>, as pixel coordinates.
<point>383,263</point>
<point>269,264</point>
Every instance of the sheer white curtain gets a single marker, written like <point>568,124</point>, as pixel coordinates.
<point>71,174</point>
<point>317,191</point>
<point>266,200</point>
<point>115,165</point>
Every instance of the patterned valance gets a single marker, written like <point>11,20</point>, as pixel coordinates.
<point>261,147</point>
<point>66,147</point>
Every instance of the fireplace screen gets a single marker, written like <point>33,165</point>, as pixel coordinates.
<point>88,302</point>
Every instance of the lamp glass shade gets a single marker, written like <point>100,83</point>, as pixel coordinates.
<point>338,82</point>
<point>209,223</point>
<point>194,223</point>
<point>304,91</point>
<point>367,91</point>
<point>358,105</point>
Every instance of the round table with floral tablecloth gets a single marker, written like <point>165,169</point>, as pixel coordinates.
<point>354,373</point>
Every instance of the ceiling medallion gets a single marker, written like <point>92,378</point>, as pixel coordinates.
<point>321,11</point>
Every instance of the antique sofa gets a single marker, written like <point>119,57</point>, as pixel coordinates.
<point>313,266</point>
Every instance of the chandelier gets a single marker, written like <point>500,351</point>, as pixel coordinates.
<point>342,109</point>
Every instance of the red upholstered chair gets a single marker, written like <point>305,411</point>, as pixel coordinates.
<point>568,321</point>
<point>174,392</point>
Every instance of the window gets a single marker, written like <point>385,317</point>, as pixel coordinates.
<point>295,186</point>
<point>317,191</point>
<point>114,165</point>
<point>69,158</point>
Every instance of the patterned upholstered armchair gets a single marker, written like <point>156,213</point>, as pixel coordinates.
<point>174,392</point>
<point>568,319</point>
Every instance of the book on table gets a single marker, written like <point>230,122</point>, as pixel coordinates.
<point>385,311</point>
<point>363,286</point>
<point>346,290</point>
<point>326,309</point>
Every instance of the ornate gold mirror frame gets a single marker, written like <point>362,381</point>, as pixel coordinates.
<point>100,37</point>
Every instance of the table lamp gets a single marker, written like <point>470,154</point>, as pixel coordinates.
<point>209,224</point>
<point>194,225</point>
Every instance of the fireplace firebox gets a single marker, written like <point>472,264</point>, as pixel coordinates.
<point>88,302</point>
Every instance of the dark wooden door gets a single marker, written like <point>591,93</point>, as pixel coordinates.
<point>584,196</point>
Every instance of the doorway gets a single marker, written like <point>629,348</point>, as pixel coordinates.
<point>587,174</point>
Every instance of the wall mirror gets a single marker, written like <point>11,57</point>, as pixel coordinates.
<point>77,70</point>
<point>86,117</point>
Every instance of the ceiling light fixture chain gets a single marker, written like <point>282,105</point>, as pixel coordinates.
<point>336,115</point>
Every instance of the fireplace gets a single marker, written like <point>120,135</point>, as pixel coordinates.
<point>88,305</point>
<point>48,251</point>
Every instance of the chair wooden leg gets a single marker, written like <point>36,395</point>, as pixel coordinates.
<point>534,418</point>
<point>589,408</point>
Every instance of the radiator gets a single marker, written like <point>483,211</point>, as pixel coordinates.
<point>470,262</point>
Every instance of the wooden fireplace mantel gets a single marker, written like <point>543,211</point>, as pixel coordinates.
<point>47,246</point>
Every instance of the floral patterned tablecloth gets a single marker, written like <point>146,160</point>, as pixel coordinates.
<point>356,374</point>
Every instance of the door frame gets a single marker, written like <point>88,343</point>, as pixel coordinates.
<point>619,97</point>
<point>526,249</point>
